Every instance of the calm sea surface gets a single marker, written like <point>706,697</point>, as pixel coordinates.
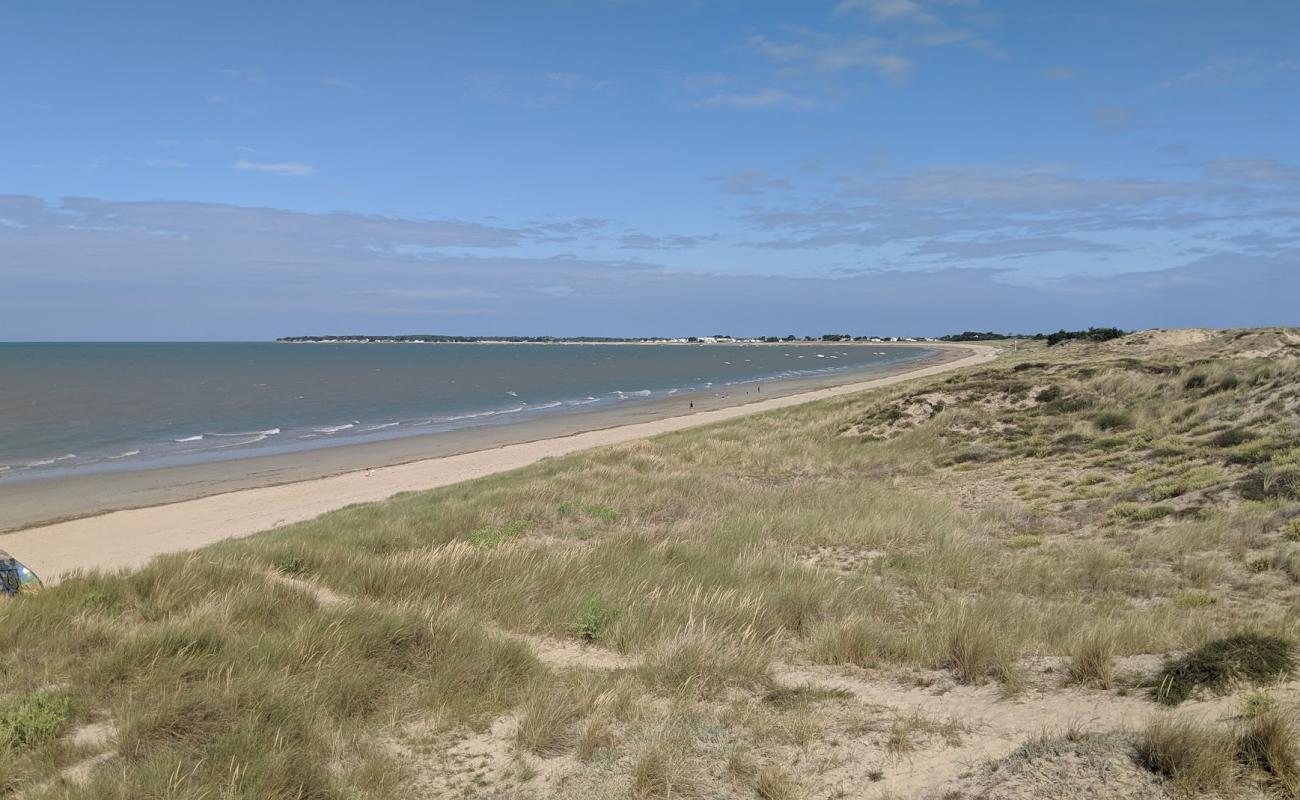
<point>74,408</point>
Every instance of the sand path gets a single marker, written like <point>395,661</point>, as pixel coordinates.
<point>130,538</point>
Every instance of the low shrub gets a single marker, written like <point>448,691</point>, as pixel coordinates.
<point>593,619</point>
<point>1216,665</point>
<point>1112,421</point>
<point>1232,437</point>
<point>1276,483</point>
<point>32,719</point>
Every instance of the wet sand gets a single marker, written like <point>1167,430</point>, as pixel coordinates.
<point>157,511</point>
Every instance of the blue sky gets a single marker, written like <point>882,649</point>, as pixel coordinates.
<point>247,170</point>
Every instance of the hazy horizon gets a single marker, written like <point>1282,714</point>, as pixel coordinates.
<point>908,167</point>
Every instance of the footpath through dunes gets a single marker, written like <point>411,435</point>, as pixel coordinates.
<point>130,538</point>
<point>1069,572</point>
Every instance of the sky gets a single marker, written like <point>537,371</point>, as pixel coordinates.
<point>247,170</point>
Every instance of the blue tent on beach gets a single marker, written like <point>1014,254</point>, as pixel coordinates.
<point>15,577</point>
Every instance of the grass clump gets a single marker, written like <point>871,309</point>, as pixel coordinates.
<point>1112,421</point>
<point>787,697</point>
<point>1216,665</point>
<point>663,771</point>
<point>1196,758</point>
<point>1024,541</point>
<point>701,664</point>
<point>490,536</point>
<point>32,719</point>
<point>1135,512</point>
<point>1267,740</point>
<point>1194,599</point>
<point>1232,437</point>
<point>1092,659</point>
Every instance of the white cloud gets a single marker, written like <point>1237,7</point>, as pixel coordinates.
<point>293,168</point>
<point>759,100</point>
<point>890,10</point>
<point>822,53</point>
<point>337,83</point>
<point>243,76</point>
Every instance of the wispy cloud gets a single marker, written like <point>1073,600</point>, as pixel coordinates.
<point>1225,71</point>
<point>1251,170</point>
<point>165,163</point>
<point>822,53</point>
<point>337,83</point>
<point>291,168</point>
<point>757,100</point>
<point>751,182</point>
<point>243,76</point>
<point>890,10</point>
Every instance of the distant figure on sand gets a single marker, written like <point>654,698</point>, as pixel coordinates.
<point>370,472</point>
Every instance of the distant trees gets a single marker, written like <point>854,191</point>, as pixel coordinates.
<point>1090,335</point>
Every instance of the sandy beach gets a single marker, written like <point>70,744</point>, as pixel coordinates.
<point>192,507</point>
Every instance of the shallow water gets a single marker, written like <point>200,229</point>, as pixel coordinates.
<point>79,408</point>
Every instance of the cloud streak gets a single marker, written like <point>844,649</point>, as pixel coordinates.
<point>294,169</point>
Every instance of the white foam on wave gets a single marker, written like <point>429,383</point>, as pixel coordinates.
<point>127,454</point>
<point>333,428</point>
<point>380,427</point>
<point>543,406</point>
<point>197,438</point>
<point>584,401</point>
<point>255,439</point>
<point>263,434</point>
<point>45,462</point>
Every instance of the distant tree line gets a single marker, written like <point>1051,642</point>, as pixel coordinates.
<point>1053,339</point>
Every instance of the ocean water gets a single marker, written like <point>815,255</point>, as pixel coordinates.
<point>74,408</point>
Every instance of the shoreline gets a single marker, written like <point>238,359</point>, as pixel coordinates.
<point>128,518</point>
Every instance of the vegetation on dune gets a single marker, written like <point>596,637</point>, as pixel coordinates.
<point>1093,503</point>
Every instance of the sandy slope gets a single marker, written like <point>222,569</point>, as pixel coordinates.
<point>131,538</point>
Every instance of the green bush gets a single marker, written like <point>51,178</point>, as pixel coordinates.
<point>1254,657</point>
<point>32,719</point>
<point>593,619</point>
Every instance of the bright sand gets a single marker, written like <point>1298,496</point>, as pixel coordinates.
<point>130,538</point>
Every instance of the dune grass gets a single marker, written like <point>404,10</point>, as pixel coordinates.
<point>1108,492</point>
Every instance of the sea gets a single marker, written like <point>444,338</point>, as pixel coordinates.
<point>75,408</point>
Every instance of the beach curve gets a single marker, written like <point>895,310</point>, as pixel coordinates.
<point>130,538</point>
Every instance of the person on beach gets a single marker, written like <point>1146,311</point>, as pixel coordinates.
<point>370,472</point>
